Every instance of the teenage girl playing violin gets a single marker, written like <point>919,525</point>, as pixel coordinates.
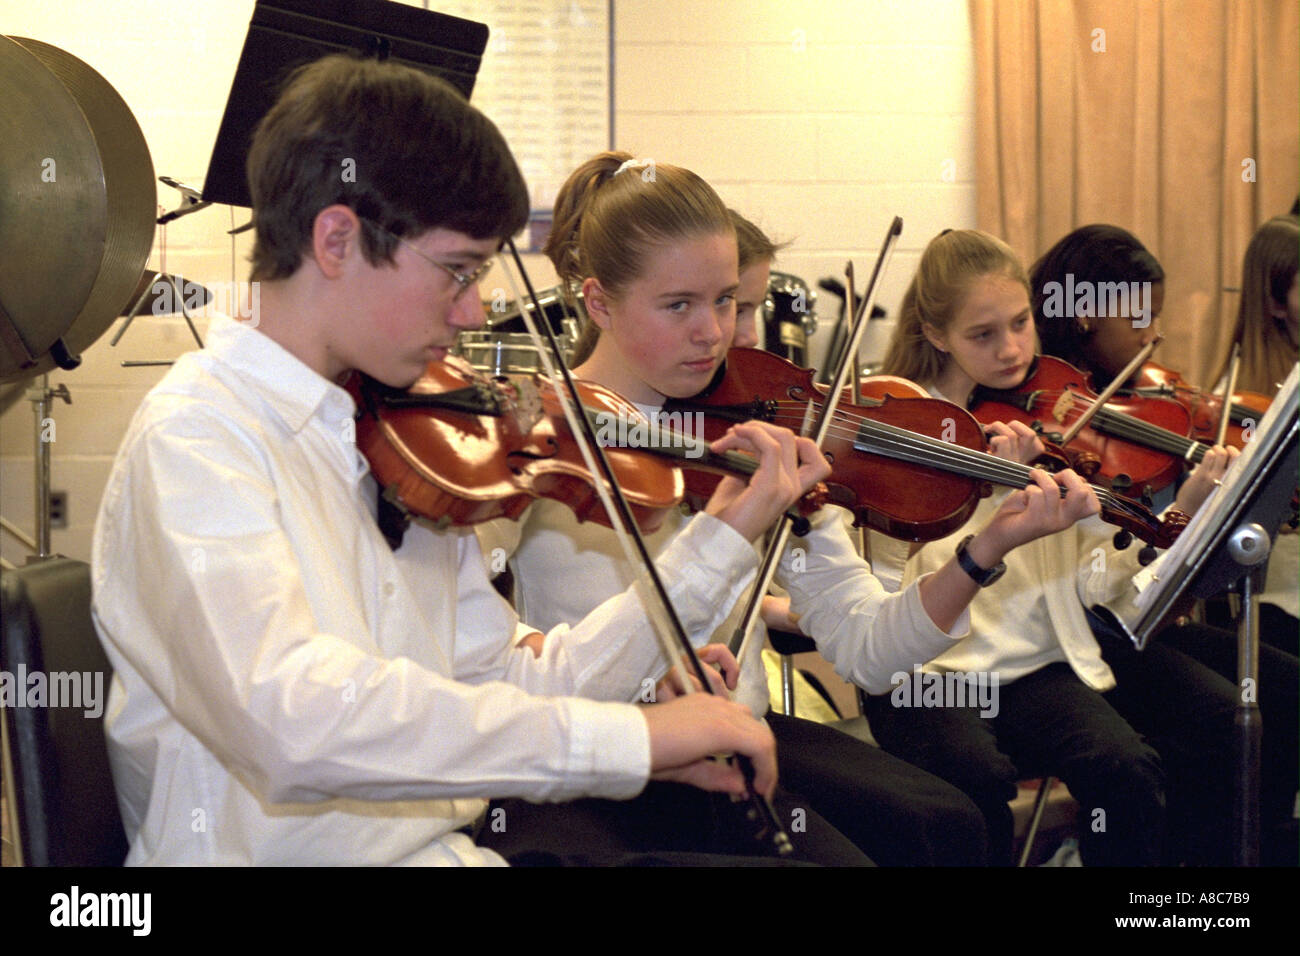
<point>1142,740</point>
<point>654,253</point>
<point>1266,322</point>
<point>1090,256</point>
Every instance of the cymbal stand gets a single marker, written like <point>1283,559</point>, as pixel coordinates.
<point>42,399</point>
<point>191,202</point>
<point>135,309</point>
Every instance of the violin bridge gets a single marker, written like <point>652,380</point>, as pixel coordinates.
<point>1064,405</point>
<point>527,401</point>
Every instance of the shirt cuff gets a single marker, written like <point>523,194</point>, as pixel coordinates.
<point>714,562</point>
<point>609,749</point>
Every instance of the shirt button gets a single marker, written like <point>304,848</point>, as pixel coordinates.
<point>389,589</point>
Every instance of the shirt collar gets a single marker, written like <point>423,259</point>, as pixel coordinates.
<point>293,391</point>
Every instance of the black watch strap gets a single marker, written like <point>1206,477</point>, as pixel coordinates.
<point>981,576</point>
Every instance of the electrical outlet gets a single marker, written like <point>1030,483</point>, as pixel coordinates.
<point>58,509</point>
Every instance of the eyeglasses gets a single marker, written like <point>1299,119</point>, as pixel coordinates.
<point>462,280</point>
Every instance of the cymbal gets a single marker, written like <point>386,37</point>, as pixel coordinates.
<point>160,297</point>
<point>76,209</point>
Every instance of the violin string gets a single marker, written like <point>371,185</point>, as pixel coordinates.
<point>969,461</point>
<point>973,463</point>
<point>1125,425</point>
<point>936,446</point>
<point>1141,432</point>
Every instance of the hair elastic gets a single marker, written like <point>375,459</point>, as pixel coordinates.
<point>634,164</point>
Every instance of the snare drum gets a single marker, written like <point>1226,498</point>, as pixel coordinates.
<point>500,353</point>
<point>506,348</point>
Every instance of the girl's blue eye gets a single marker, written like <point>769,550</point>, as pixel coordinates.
<point>680,306</point>
<point>724,299</point>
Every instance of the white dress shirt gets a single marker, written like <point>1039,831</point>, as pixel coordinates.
<point>287,689</point>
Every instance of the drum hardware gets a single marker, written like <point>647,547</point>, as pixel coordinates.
<point>502,349</point>
<point>192,200</point>
<point>42,400</point>
<point>163,290</point>
<point>167,288</point>
<point>836,287</point>
<point>789,317</point>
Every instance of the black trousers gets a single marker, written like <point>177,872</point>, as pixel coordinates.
<point>842,801</point>
<point>667,824</point>
<point>1149,762</point>
<point>897,813</point>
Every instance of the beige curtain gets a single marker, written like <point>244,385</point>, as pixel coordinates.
<point>1153,115</point>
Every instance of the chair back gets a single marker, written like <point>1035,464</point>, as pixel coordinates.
<point>57,679</point>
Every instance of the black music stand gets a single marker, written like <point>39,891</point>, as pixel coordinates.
<point>284,34</point>
<point>1226,546</point>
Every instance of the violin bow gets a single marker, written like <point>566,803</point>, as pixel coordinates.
<point>857,374</point>
<point>1234,364</point>
<point>668,627</point>
<point>848,360</point>
<point>1099,402</point>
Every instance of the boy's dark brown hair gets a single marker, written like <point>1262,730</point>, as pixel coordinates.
<point>400,147</point>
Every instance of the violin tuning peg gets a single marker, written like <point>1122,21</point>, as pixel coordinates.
<point>1123,539</point>
<point>1121,484</point>
<point>800,526</point>
<point>1146,555</point>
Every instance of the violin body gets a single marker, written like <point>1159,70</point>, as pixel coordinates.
<point>1205,408</point>
<point>896,497</point>
<point>449,463</point>
<point>1126,436</point>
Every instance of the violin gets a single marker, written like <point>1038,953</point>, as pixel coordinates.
<point>912,468</point>
<point>1054,458</point>
<point>1205,408</point>
<point>458,448</point>
<point>1141,442</point>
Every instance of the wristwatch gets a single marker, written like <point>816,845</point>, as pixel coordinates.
<point>981,576</point>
